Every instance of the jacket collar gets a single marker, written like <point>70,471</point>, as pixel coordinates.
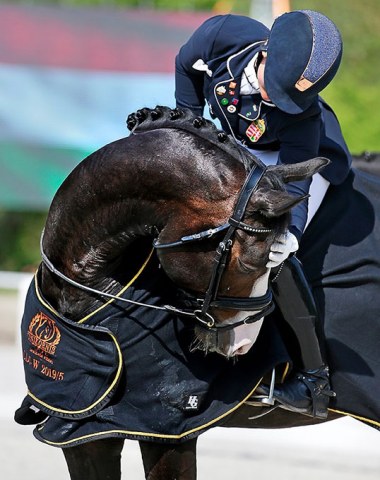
<point>236,63</point>
<point>227,91</point>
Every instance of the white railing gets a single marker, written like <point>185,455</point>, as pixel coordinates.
<point>13,280</point>
<point>19,282</point>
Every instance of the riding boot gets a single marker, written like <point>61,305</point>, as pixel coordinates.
<point>308,389</point>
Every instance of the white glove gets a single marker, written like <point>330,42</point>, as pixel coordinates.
<point>281,249</point>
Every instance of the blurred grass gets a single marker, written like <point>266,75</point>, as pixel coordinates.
<point>354,93</point>
<point>19,240</point>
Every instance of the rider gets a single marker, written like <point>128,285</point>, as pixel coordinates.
<point>263,87</point>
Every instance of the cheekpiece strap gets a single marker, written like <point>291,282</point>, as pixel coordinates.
<point>222,252</point>
<point>247,190</point>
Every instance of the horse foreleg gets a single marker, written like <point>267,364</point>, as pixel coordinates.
<point>98,460</point>
<point>169,461</point>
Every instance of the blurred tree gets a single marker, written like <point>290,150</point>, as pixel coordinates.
<point>19,240</point>
<point>354,94</point>
<point>164,4</point>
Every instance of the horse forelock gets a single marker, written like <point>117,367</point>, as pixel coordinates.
<point>161,117</point>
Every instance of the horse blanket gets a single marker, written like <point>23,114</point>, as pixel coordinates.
<point>340,252</point>
<point>128,371</point>
<point>163,391</point>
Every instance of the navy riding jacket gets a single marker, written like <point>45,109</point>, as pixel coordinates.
<point>209,67</point>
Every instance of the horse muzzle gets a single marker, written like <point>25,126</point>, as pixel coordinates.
<point>230,342</point>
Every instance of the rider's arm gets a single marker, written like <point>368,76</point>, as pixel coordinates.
<point>299,141</point>
<point>188,88</point>
<point>208,49</point>
<point>189,81</point>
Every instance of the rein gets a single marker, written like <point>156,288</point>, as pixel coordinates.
<point>262,303</point>
<point>210,233</point>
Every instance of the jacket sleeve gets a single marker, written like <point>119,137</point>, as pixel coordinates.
<point>188,89</point>
<point>212,43</point>
<point>299,142</point>
<point>189,81</point>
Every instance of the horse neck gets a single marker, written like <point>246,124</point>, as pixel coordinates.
<point>110,200</point>
<point>93,257</point>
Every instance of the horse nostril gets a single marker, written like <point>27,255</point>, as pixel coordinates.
<point>243,349</point>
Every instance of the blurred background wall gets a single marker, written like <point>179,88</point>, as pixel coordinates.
<point>72,70</point>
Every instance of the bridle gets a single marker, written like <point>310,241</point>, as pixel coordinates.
<point>263,305</point>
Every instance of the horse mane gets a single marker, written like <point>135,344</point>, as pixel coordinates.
<point>147,119</point>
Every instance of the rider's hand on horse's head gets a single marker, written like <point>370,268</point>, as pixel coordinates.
<point>284,245</point>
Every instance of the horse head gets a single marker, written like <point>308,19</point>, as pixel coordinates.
<point>194,261</point>
<point>177,179</point>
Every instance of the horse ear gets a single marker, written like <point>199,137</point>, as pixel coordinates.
<point>276,203</point>
<point>298,171</point>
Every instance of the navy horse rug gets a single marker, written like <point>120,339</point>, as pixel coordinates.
<point>340,252</point>
<point>129,371</point>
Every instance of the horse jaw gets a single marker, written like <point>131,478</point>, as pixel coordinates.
<point>239,340</point>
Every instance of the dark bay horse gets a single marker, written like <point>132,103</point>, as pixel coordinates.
<point>211,211</point>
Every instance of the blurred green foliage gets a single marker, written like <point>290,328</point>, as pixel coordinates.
<point>354,95</point>
<point>236,6</point>
<point>162,4</point>
<point>19,240</point>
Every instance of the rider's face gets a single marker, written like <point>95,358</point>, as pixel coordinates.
<point>260,77</point>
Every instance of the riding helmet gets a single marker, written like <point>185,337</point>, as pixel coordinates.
<point>304,53</point>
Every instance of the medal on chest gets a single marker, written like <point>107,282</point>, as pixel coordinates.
<point>255,130</point>
<point>226,96</point>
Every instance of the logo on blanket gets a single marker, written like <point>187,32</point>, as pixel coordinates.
<point>192,403</point>
<point>44,334</point>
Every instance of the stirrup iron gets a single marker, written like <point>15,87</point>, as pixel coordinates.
<point>264,400</point>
